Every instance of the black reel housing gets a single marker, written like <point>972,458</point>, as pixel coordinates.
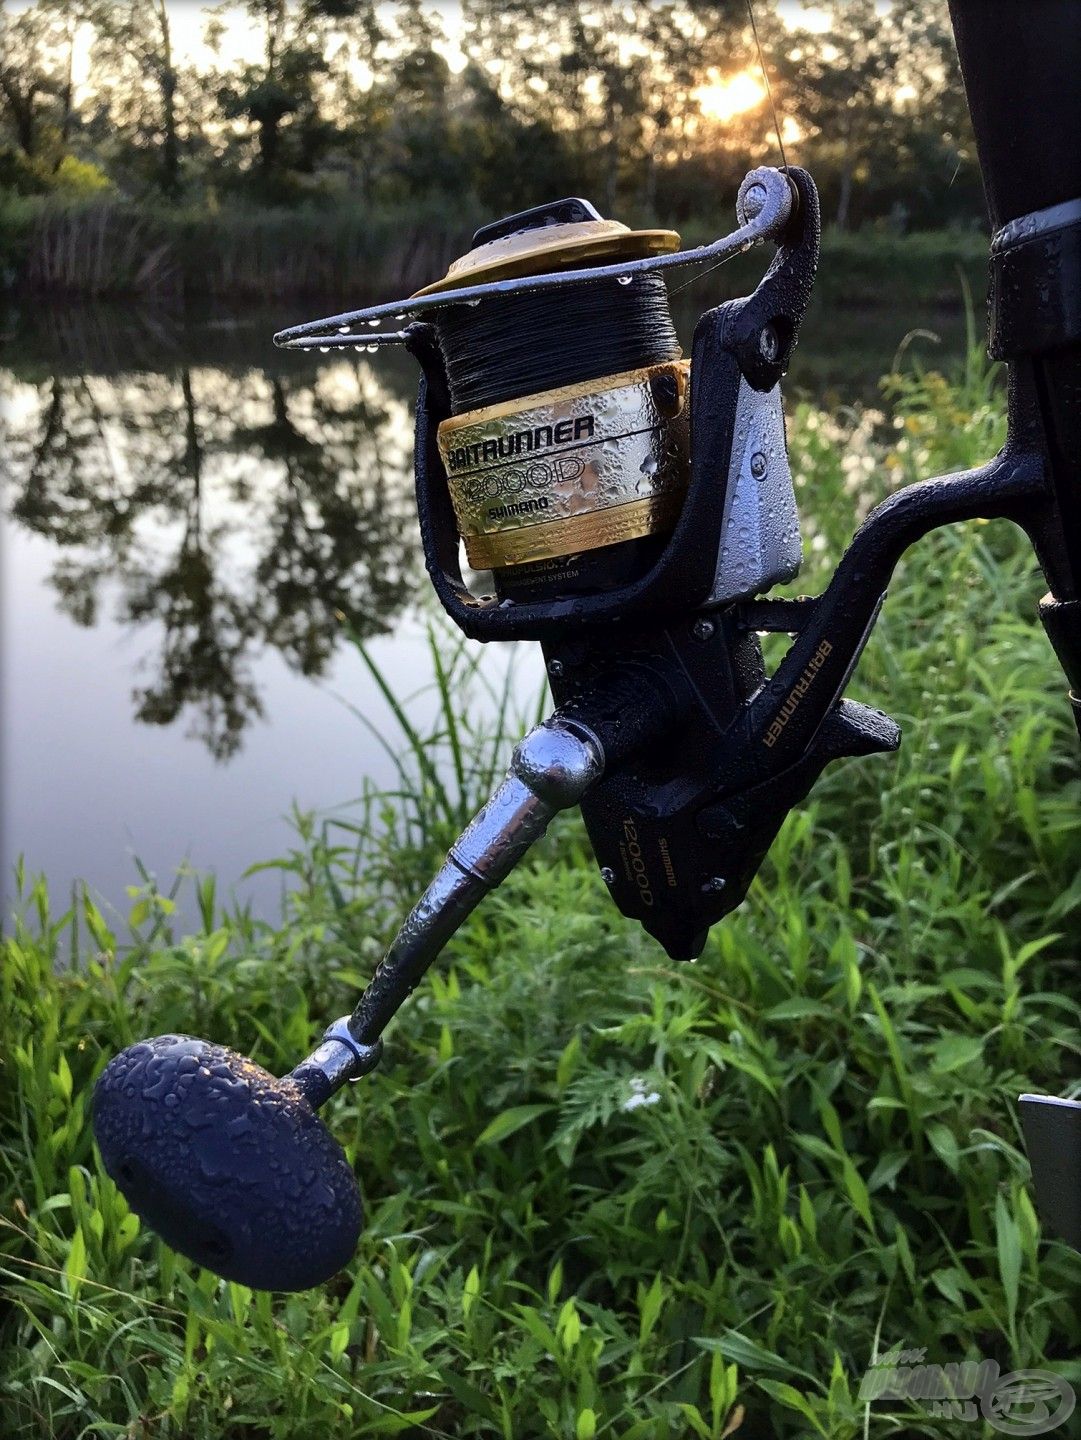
<point>750,339</point>
<point>678,833</point>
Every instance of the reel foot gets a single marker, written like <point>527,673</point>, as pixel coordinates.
<point>228,1163</point>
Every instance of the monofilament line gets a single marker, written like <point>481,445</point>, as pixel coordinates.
<point>769,88</point>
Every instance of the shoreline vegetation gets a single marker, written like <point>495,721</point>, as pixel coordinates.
<point>606,1195</point>
<point>313,148</point>
<point>109,248</point>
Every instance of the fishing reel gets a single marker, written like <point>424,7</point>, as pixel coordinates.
<point>581,485</point>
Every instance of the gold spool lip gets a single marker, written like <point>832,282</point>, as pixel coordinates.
<point>552,247</point>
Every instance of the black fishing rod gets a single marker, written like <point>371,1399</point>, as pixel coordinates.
<point>629,511</point>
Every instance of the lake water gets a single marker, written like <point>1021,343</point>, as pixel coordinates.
<point>187,514</point>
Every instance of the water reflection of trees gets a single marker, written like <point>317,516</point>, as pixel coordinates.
<point>228,511</point>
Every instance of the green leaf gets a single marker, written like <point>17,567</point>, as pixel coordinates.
<point>532,1322</point>
<point>397,1424</point>
<point>467,1395</point>
<point>568,1061</point>
<point>948,1282</point>
<point>748,1355</point>
<point>649,1306</point>
<point>887,1169</point>
<point>1008,1240</point>
<point>857,1193</point>
<point>944,1144</point>
<point>791,1398</point>
<point>555,1282</point>
<point>470,1290</point>
<point>508,1121</point>
<point>127,1230</point>
<point>904,1254</point>
<point>75,1264</point>
<point>693,1417</point>
<point>798,1008</point>
<point>569,1325</point>
<point>586,1427</point>
<point>953,1052</point>
<point>139,913</point>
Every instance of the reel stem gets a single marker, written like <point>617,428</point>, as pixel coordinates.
<point>551,769</point>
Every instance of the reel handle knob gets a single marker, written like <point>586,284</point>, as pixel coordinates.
<point>228,1163</point>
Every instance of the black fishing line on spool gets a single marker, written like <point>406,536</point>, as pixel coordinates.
<point>508,346</point>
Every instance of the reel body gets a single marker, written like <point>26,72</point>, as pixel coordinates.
<point>677,841</point>
<point>634,512</point>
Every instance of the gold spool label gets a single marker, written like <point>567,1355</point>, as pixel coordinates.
<point>570,469</point>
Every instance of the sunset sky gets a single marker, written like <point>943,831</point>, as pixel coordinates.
<point>722,98</point>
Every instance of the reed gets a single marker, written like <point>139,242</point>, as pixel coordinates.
<point>110,247</point>
<point>100,249</point>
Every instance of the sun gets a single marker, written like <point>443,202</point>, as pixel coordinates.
<point>727,96</point>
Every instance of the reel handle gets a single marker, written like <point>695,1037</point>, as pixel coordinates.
<point>231,1165</point>
<point>551,769</point>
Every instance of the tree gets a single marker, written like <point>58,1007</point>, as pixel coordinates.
<point>422,139</point>
<point>35,76</point>
<point>159,522</point>
<point>280,95</point>
<point>133,45</point>
<point>614,83</point>
<point>837,88</point>
<point>356,96</point>
<point>875,93</point>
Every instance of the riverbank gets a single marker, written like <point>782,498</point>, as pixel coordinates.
<point>111,248</point>
<point>607,1195</point>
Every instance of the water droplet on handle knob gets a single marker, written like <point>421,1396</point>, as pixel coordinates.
<point>228,1163</point>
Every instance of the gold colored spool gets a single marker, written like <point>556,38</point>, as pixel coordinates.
<point>570,469</point>
<point>552,247</point>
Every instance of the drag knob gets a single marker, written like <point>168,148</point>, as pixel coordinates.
<point>230,1165</point>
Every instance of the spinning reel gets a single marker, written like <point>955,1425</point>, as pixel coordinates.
<point>627,510</point>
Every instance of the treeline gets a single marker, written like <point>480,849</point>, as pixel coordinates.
<point>487,108</point>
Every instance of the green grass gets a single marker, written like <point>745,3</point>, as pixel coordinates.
<point>822,1159</point>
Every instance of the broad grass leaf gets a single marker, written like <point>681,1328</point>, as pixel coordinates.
<point>747,1353</point>
<point>509,1121</point>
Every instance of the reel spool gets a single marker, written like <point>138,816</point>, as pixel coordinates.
<point>567,449</point>
<point>553,422</point>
